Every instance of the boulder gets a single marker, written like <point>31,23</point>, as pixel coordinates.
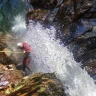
<point>73,10</point>
<point>38,84</point>
<point>36,15</point>
<point>8,75</point>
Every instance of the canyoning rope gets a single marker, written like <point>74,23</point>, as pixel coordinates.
<point>10,52</point>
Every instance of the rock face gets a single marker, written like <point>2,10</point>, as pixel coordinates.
<point>7,55</point>
<point>44,10</point>
<point>38,84</point>
<point>8,75</point>
<point>45,4</point>
<point>36,15</point>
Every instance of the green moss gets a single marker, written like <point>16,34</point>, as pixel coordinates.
<point>42,89</point>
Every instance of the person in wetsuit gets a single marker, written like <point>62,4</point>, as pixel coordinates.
<point>26,50</point>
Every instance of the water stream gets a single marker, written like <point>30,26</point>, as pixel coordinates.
<point>48,55</point>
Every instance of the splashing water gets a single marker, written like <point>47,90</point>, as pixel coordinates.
<point>19,25</point>
<point>49,56</point>
<point>47,53</point>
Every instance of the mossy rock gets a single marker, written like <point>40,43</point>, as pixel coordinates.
<point>39,84</point>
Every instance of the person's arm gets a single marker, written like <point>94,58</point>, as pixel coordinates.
<point>23,49</point>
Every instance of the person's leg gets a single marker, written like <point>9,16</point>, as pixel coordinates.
<point>27,64</point>
<point>25,61</point>
<point>24,64</point>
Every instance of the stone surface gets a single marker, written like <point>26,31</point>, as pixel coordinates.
<point>45,4</point>
<point>8,75</point>
<point>38,84</point>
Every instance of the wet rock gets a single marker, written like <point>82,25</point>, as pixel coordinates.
<point>38,84</point>
<point>8,56</point>
<point>84,51</point>
<point>73,10</point>
<point>49,9</point>
<point>45,4</point>
<point>74,31</point>
<point>8,50</point>
<point>4,58</point>
<point>2,41</point>
<point>8,75</point>
<point>91,68</point>
<point>65,12</point>
<point>82,47</point>
<point>36,15</point>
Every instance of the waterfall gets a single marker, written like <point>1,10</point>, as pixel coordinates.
<point>19,26</point>
<point>48,55</point>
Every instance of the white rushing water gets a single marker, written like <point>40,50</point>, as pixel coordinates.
<point>48,55</point>
<point>19,25</point>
